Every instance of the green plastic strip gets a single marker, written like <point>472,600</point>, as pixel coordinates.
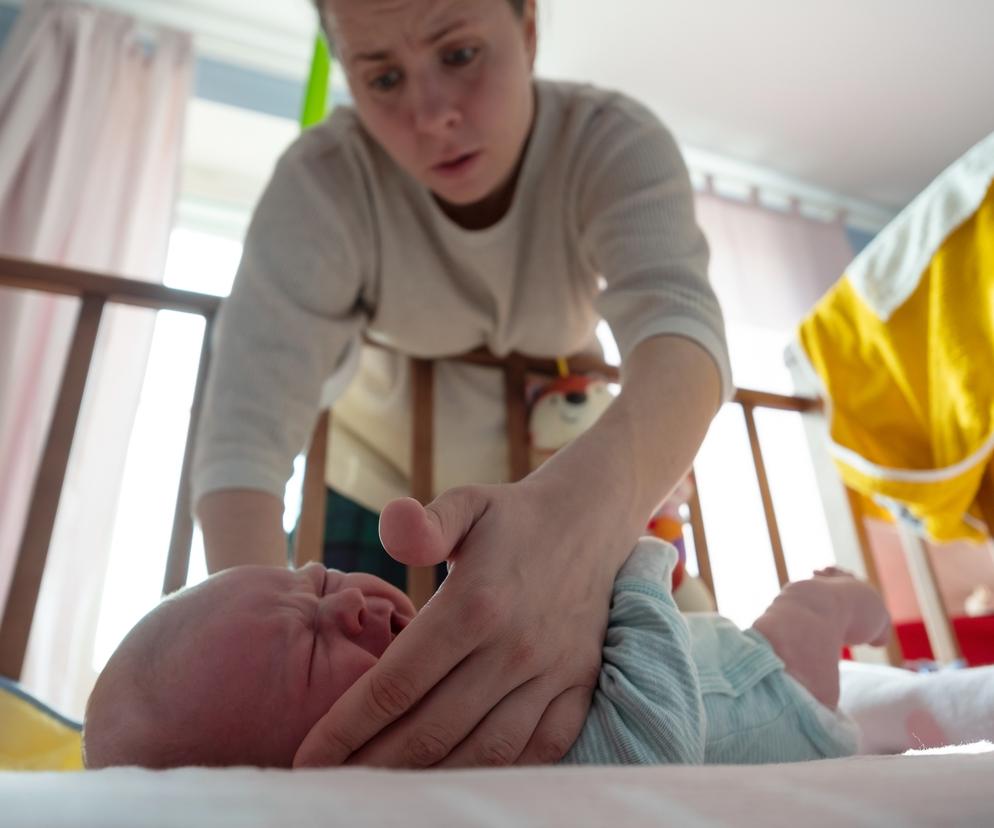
<point>316,102</point>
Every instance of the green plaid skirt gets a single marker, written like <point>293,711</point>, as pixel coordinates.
<point>352,542</point>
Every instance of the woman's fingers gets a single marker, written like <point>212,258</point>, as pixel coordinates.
<point>503,735</point>
<point>486,711</point>
<point>449,714</point>
<point>424,536</point>
<point>427,651</point>
<point>559,728</point>
<point>507,636</point>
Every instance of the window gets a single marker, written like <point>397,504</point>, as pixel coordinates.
<point>228,156</point>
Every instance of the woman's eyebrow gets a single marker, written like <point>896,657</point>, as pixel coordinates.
<point>385,54</point>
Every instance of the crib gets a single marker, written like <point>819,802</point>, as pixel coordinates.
<point>905,790</point>
<point>95,291</point>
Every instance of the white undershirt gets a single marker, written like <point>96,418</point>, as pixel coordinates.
<point>343,243</point>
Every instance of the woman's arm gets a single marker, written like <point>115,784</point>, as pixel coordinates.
<point>502,662</point>
<point>290,323</point>
<point>645,442</point>
<point>242,527</point>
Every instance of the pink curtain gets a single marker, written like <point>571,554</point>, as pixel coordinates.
<point>91,126</point>
<point>768,267</point>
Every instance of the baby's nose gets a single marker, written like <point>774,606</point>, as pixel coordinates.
<point>344,609</point>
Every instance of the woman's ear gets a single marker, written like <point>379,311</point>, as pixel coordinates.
<point>530,23</point>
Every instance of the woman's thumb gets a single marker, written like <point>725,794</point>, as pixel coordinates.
<point>419,535</point>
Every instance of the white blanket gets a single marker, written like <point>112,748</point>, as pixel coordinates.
<point>895,790</point>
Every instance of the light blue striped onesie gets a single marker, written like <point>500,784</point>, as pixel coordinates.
<point>694,689</point>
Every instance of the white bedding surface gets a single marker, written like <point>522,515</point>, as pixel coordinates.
<point>925,789</point>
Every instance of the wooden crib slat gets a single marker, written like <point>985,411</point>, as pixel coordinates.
<point>309,541</point>
<point>700,538</point>
<point>421,580</point>
<point>47,278</point>
<point>985,501</point>
<point>178,559</point>
<point>517,417</point>
<point>33,553</point>
<point>764,490</point>
<point>894,655</point>
<point>941,636</point>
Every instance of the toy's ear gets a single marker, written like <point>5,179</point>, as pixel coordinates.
<point>534,386</point>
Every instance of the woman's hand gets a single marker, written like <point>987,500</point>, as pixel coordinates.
<point>500,665</point>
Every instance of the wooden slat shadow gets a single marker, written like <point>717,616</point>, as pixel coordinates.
<point>44,505</point>
<point>178,559</point>
<point>95,290</point>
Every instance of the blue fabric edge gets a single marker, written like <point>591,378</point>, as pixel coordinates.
<point>14,689</point>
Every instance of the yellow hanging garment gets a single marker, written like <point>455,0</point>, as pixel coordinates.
<point>904,348</point>
<point>33,737</point>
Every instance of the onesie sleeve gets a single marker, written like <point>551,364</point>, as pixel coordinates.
<point>296,311</point>
<point>637,229</point>
<point>647,706</point>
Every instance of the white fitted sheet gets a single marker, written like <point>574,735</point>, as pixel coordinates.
<point>928,789</point>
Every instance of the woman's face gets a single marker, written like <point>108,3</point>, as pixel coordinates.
<point>444,86</point>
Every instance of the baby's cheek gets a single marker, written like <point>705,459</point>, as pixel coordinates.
<point>342,667</point>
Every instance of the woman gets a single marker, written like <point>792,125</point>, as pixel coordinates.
<point>462,203</point>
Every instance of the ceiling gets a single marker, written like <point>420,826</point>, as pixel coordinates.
<point>870,98</point>
<point>865,99</point>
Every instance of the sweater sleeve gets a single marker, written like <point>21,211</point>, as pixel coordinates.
<point>296,310</point>
<point>637,229</point>
<point>647,707</point>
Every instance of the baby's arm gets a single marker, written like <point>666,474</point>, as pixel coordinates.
<point>647,707</point>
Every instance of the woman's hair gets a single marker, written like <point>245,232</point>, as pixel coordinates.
<point>517,5</point>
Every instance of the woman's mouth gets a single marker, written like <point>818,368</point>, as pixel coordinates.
<point>456,166</point>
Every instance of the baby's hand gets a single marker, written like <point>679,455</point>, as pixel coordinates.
<point>651,560</point>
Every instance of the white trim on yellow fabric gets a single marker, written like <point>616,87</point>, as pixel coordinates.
<point>796,355</point>
<point>887,272</point>
<point>864,466</point>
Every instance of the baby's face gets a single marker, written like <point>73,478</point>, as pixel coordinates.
<point>249,660</point>
<point>313,631</point>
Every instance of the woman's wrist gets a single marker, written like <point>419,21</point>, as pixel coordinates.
<point>241,527</point>
<point>592,499</point>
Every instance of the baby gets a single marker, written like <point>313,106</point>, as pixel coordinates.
<point>236,670</point>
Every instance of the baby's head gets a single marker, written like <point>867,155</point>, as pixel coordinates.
<point>236,670</point>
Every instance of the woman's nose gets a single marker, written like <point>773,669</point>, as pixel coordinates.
<point>344,609</point>
<point>434,106</point>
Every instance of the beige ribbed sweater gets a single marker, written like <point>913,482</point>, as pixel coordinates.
<point>344,242</point>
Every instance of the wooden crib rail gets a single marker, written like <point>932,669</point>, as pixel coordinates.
<point>95,291</point>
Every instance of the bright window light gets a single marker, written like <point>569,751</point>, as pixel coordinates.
<point>200,262</point>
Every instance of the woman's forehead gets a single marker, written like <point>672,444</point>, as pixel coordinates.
<point>362,24</point>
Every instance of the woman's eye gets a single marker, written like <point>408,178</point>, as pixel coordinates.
<point>460,57</point>
<point>386,81</point>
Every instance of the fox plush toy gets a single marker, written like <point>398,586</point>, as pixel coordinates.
<point>564,409</point>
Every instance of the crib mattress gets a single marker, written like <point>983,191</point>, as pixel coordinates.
<point>927,789</point>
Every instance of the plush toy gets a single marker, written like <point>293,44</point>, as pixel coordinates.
<point>690,593</point>
<point>563,409</point>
